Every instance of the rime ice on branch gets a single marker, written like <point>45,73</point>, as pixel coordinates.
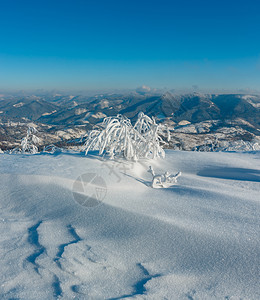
<point>164,180</point>
<point>120,138</point>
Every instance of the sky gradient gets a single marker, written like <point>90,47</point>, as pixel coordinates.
<point>78,44</point>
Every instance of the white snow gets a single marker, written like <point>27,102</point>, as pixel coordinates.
<point>18,104</point>
<point>196,240</point>
<point>49,113</point>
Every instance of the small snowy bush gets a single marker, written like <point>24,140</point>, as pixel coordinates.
<point>52,149</point>
<point>163,180</point>
<point>30,141</point>
<point>120,138</point>
<point>236,146</point>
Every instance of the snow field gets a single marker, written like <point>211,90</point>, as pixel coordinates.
<point>196,240</point>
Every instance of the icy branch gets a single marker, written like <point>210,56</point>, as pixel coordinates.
<point>164,180</point>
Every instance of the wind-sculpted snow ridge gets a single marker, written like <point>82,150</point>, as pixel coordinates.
<point>33,239</point>
<point>63,246</point>
<point>198,239</point>
<point>139,287</point>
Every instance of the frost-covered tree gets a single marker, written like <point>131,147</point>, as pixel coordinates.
<point>30,141</point>
<point>120,138</point>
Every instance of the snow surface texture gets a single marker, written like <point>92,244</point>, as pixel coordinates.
<point>196,240</point>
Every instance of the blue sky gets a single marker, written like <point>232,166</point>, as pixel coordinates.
<point>78,44</point>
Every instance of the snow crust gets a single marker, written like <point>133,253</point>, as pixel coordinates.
<point>196,240</point>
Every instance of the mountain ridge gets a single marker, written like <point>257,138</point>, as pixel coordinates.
<point>62,118</point>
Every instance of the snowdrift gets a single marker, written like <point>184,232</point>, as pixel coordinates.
<point>80,227</point>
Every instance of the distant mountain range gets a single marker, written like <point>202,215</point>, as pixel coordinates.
<point>74,115</point>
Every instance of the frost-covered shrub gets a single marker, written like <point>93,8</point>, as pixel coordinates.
<point>243,146</point>
<point>120,138</point>
<point>152,134</point>
<point>30,141</point>
<point>52,149</point>
<point>240,145</point>
<point>163,180</point>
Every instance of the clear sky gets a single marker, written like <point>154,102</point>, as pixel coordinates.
<point>127,43</point>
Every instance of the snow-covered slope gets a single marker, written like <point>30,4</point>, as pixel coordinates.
<point>196,240</point>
